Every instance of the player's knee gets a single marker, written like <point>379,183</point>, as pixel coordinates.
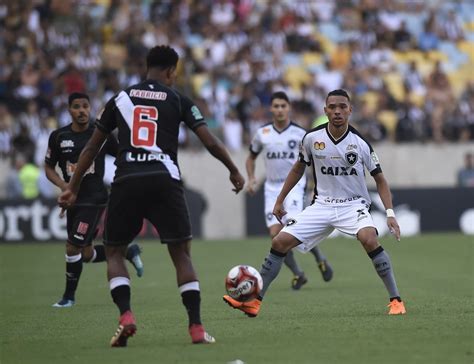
<point>281,244</point>
<point>115,252</point>
<point>370,243</point>
<point>72,249</point>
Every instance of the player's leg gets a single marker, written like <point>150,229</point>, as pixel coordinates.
<point>81,227</point>
<point>323,264</point>
<point>303,231</point>
<point>124,218</point>
<point>281,245</point>
<point>73,273</point>
<point>383,265</point>
<point>170,217</point>
<point>299,278</point>
<point>133,256</point>
<point>356,220</point>
<point>294,205</point>
<point>94,253</point>
<point>188,286</point>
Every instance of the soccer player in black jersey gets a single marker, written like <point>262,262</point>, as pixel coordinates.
<point>64,147</point>
<point>147,182</point>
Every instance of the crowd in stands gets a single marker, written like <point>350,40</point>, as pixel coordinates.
<point>408,65</point>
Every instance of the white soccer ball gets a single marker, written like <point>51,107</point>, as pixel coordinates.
<point>243,283</point>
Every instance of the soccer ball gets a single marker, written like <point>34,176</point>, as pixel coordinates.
<point>243,283</point>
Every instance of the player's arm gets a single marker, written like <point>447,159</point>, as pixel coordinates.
<point>386,196</point>
<point>250,167</point>
<point>54,177</point>
<point>218,151</point>
<point>111,146</point>
<point>295,174</point>
<point>88,154</point>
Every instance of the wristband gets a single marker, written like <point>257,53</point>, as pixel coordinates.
<point>390,213</point>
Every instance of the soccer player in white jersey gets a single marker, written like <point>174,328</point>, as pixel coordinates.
<point>278,143</point>
<point>338,156</point>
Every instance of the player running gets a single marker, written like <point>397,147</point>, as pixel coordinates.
<point>64,146</point>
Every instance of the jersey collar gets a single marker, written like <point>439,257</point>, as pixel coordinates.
<point>336,141</point>
<point>281,131</point>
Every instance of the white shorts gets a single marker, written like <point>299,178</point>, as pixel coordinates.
<point>293,202</point>
<point>318,220</point>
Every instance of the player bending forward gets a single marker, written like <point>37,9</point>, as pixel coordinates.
<point>278,143</point>
<point>338,155</point>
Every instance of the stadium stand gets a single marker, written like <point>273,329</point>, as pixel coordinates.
<point>410,63</point>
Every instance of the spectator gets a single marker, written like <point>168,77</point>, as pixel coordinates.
<point>23,179</point>
<point>23,144</point>
<point>369,126</point>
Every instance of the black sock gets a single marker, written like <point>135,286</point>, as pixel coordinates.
<point>73,273</point>
<point>99,254</point>
<point>121,296</point>
<point>192,302</point>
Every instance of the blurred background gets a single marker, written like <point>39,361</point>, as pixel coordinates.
<point>408,66</point>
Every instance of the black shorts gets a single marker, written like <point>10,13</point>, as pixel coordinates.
<point>157,198</point>
<point>82,224</point>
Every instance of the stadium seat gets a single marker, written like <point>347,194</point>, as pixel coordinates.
<point>395,85</point>
<point>311,58</point>
<point>389,120</point>
<point>296,75</point>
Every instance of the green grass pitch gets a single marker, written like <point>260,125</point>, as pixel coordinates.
<point>343,321</point>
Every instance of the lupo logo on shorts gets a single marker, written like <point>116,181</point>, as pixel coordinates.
<point>290,222</point>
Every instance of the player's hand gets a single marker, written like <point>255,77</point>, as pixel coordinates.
<point>237,180</point>
<point>67,199</point>
<point>279,211</point>
<point>393,227</point>
<point>252,186</point>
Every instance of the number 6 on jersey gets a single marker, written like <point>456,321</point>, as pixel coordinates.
<point>144,126</point>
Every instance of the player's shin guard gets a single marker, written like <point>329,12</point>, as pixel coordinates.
<point>383,266</point>
<point>120,291</point>
<point>270,269</point>
<point>73,273</point>
<point>191,297</point>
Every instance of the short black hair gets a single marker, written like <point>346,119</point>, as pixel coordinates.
<point>280,95</point>
<point>77,95</point>
<point>338,92</point>
<point>162,56</point>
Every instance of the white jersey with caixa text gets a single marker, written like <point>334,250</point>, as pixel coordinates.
<point>279,149</point>
<point>339,165</point>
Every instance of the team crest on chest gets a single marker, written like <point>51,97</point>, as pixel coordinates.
<point>292,143</point>
<point>351,158</point>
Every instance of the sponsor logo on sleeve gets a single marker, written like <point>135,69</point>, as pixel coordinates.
<point>374,158</point>
<point>196,113</point>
